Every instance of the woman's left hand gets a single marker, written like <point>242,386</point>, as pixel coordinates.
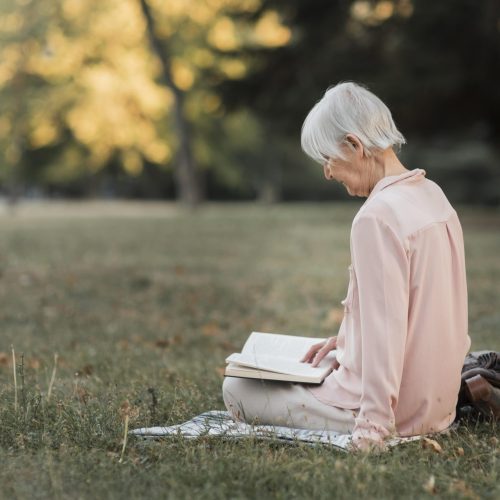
<point>318,351</point>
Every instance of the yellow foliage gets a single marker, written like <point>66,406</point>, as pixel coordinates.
<point>98,66</point>
<point>174,8</point>
<point>361,9</point>
<point>211,102</point>
<point>5,127</point>
<point>12,153</point>
<point>74,9</point>
<point>81,122</point>
<point>158,152</point>
<point>233,68</point>
<point>132,162</point>
<point>384,10</point>
<point>372,14</point>
<point>201,14</point>
<point>43,134</point>
<point>121,22</point>
<point>11,55</point>
<point>99,155</point>
<point>6,73</point>
<point>270,32</point>
<point>203,58</point>
<point>59,57</point>
<point>182,74</point>
<point>241,5</point>
<point>222,35</point>
<point>100,78</point>
<point>11,22</point>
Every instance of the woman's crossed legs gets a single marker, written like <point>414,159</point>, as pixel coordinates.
<point>289,404</point>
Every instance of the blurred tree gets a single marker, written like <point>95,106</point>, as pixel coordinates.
<point>187,181</point>
<point>81,89</point>
<point>86,102</point>
<point>76,82</point>
<point>436,64</point>
<point>443,53</point>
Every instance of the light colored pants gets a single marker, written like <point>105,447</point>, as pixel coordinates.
<point>288,404</point>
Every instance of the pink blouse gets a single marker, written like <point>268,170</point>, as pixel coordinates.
<point>404,335</point>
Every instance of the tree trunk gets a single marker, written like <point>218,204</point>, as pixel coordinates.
<point>188,185</point>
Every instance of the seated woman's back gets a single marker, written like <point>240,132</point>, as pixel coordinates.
<point>404,335</point>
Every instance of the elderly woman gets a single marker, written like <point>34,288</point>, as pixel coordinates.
<point>404,334</point>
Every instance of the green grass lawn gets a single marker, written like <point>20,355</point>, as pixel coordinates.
<point>142,303</point>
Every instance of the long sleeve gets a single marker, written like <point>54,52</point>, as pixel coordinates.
<point>406,306</point>
<point>382,272</point>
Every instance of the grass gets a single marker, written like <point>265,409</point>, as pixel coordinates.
<point>141,303</point>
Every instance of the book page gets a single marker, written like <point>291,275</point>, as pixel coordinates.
<point>279,364</point>
<point>235,370</point>
<point>288,346</point>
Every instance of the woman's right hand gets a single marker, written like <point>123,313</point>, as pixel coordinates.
<point>318,351</point>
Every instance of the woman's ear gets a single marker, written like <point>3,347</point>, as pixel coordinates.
<point>355,144</point>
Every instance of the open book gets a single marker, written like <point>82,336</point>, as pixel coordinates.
<point>275,356</point>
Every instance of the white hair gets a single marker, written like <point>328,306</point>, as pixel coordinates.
<point>348,108</point>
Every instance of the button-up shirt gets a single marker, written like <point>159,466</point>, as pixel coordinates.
<point>404,335</point>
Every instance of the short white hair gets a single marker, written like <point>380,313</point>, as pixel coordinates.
<point>348,108</point>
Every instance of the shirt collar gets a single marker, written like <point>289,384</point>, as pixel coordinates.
<point>411,175</point>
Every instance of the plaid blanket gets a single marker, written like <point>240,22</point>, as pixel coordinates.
<point>220,423</point>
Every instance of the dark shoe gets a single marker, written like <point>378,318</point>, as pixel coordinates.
<point>483,395</point>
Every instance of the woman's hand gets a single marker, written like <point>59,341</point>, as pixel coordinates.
<point>318,351</point>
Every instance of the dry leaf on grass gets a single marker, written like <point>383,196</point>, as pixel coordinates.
<point>5,359</point>
<point>431,444</point>
<point>460,486</point>
<point>227,345</point>
<point>211,329</point>
<point>430,485</point>
<point>162,343</point>
<point>33,363</point>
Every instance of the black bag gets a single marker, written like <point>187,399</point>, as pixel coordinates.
<point>480,387</point>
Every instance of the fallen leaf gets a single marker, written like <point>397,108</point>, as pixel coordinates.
<point>176,339</point>
<point>83,395</point>
<point>123,344</point>
<point>162,343</point>
<point>33,363</point>
<point>5,359</point>
<point>211,330</point>
<point>225,344</point>
<point>431,444</point>
<point>179,270</point>
<point>86,370</point>
<point>430,485</point>
<point>460,486</point>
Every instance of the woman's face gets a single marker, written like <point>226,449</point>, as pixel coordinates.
<point>353,172</point>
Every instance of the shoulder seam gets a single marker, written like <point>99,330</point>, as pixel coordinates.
<point>439,221</point>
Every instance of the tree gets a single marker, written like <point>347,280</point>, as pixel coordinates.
<point>81,89</point>
<point>436,64</point>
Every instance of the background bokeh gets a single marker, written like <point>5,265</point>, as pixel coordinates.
<point>204,99</point>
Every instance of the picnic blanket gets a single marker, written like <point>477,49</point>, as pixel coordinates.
<point>220,423</point>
